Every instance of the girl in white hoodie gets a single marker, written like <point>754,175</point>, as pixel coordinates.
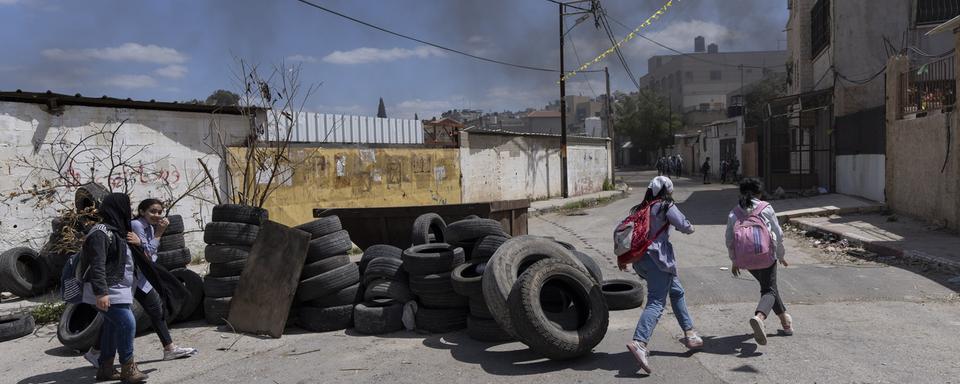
<point>750,191</point>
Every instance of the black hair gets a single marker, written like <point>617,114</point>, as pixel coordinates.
<point>146,204</point>
<point>749,188</point>
<point>664,196</point>
<point>114,212</point>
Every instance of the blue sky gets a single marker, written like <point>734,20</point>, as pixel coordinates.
<point>185,49</point>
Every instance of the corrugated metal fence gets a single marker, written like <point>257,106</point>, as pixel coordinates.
<point>334,128</point>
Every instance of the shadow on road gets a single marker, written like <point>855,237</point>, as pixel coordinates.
<point>505,359</point>
<point>709,207</point>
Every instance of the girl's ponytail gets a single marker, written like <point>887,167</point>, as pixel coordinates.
<point>749,188</point>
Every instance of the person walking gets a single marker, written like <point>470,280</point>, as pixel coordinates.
<point>659,268</point>
<point>705,170</point>
<point>147,228</point>
<point>660,165</point>
<point>724,168</point>
<point>679,166</point>
<point>108,284</point>
<point>755,243</point>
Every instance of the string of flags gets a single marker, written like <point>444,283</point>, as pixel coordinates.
<point>619,44</point>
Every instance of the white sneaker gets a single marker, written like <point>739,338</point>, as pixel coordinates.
<point>640,353</point>
<point>178,352</point>
<point>758,333</point>
<point>93,357</point>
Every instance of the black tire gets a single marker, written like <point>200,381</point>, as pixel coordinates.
<point>15,326</point>
<point>194,284</point>
<point>467,280</point>
<point>472,230</point>
<point>508,263</point>
<point>434,283</point>
<point>175,226</point>
<point>216,310</point>
<point>225,253</point>
<point>325,319</point>
<point>623,294</point>
<point>23,272</point>
<point>478,308</point>
<point>89,196</point>
<point>217,287</point>
<point>323,265</point>
<point>387,289</point>
<point>487,246</point>
<point>374,318</point>
<point>236,213</point>
<point>376,251</point>
<point>442,300</point>
<point>384,268</point>
<point>321,227</point>
<point>348,295</point>
<point>79,326</point>
<point>429,224</point>
<point>486,330</point>
<point>171,242</point>
<point>427,259</point>
<point>225,233</point>
<point>333,244</point>
<point>327,283</point>
<point>590,264</point>
<point>177,258</point>
<point>142,319</point>
<point>542,335</point>
<point>233,268</point>
<point>441,320</point>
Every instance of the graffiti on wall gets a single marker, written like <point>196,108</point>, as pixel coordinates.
<point>165,175</point>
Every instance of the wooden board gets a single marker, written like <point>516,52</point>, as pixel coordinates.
<point>262,300</point>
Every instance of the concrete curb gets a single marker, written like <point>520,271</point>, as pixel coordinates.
<point>618,194</point>
<point>786,216</point>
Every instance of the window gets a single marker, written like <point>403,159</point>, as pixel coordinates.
<point>819,27</point>
<point>715,75</point>
<point>936,11</point>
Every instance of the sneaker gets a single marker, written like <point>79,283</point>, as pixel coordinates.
<point>787,325</point>
<point>93,357</point>
<point>693,342</point>
<point>640,353</point>
<point>758,332</point>
<point>178,352</point>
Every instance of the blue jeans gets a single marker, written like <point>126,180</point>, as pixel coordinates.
<point>659,285</point>
<point>116,335</point>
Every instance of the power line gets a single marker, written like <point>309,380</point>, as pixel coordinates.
<point>579,62</point>
<point>570,5</point>
<point>459,52</point>
<point>602,18</point>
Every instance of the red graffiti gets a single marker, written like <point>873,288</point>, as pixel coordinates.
<point>125,174</point>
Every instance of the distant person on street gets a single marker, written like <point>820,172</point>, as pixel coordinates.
<point>109,284</point>
<point>755,243</point>
<point>724,169</point>
<point>735,170</point>
<point>705,170</point>
<point>660,165</point>
<point>659,268</point>
<point>679,166</point>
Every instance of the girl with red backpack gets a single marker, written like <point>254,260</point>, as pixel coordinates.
<point>755,243</point>
<point>658,266</point>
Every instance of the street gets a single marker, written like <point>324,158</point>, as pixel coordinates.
<point>855,322</point>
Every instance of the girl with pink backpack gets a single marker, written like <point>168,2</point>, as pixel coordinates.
<point>755,243</point>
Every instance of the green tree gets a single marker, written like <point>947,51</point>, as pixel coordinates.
<point>756,96</point>
<point>223,98</point>
<point>646,119</point>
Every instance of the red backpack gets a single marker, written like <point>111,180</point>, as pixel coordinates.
<point>631,238</point>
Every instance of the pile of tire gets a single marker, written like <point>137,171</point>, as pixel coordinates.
<point>229,235</point>
<point>23,273</point>
<point>173,252</point>
<point>329,281</point>
<point>468,281</point>
<point>385,291</point>
<point>540,293</point>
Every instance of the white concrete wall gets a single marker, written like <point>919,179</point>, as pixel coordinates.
<point>171,141</point>
<point>861,175</point>
<point>505,167</point>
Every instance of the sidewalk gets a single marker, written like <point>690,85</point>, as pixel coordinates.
<point>544,206</point>
<point>831,204</point>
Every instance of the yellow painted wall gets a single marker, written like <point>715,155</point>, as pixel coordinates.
<point>361,177</point>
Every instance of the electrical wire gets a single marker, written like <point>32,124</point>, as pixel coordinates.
<point>863,81</point>
<point>602,19</point>
<point>438,46</point>
<point>579,63</point>
<point>570,5</point>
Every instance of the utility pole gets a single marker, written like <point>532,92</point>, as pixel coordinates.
<point>563,115</point>
<point>608,109</point>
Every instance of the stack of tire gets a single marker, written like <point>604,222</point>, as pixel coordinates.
<point>23,273</point>
<point>468,281</point>
<point>439,308</point>
<point>469,232</point>
<point>541,294</point>
<point>385,291</point>
<point>173,252</point>
<point>329,282</point>
<point>229,235</point>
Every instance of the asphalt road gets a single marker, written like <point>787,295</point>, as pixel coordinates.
<point>855,322</point>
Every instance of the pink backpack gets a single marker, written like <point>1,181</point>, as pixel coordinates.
<point>751,240</point>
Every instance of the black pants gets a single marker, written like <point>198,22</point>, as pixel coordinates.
<point>706,177</point>
<point>769,294</point>
<point>153,305</point>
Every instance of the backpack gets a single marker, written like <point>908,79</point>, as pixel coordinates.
<point>71,278</point>
<point>752,247</point>
<point>631,237</point>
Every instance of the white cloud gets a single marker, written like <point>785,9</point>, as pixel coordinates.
<point>342,109</point>
<point>302,58</point>
<point>477,39</point>
<point>125,52</point>
<point>374,55</point>
<point>425,109</point>
<point>8,2</point>
<point>131,81</point>
<point>679,35</point>
<point>171,71</point>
